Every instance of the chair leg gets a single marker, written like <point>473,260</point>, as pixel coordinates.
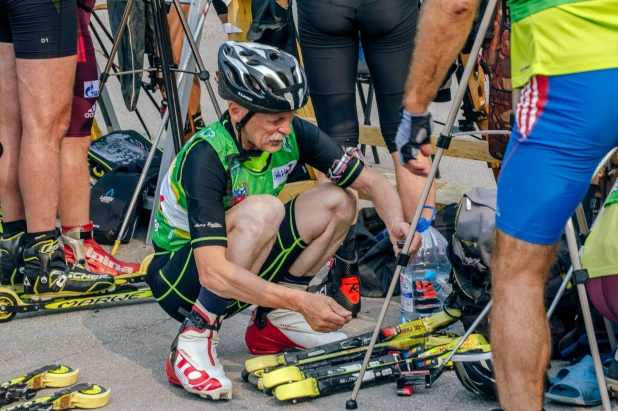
<point>583,301</point>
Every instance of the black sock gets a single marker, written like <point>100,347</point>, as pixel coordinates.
<point>212,302</point>
<point>13,227</point>
<point>347,249</point>
<point>292,279</point>
<point>33,238</point>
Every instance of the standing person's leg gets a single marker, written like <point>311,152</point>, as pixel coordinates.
<point>74,207</point>
<point>387,33</point>
<point>194,115</point>
<point>14,215</point>
<point>45,38</point>
<point>328,37</point>
<point>564,128</point>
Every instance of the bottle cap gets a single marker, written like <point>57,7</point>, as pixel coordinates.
<point>430,276</point>
<point>423,225</point>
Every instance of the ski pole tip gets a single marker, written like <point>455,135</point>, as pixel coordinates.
<point>115,247</point>
<point>351,404</point>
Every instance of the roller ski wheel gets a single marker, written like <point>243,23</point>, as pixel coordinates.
<point>84,396</point>
<point>297,390</point>
<point>393,335</point>
<point>26,386</point>
<point>6,301</point>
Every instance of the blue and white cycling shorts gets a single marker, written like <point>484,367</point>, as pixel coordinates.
<point>564,126</point>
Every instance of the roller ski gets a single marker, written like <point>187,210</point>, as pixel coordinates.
<point>85,396</point>
<point>25,387</point>
<point>389,367</point>
<point>418,354</point>
<point>51,284</point>
<point>417,328</point>
<point>272,378</point>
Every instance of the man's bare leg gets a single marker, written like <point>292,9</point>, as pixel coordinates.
<point>74,206</point>
<point>323,217</point>
<point>45,107</point>
<point>410,187</point>
<point>252,227</point>
<point>519,272</point>
<point>10,137</point>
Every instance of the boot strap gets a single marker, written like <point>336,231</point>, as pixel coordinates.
<point>199,322</point>
<point>260,316</point>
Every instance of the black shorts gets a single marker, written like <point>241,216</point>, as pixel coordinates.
<point>174,280</point>
<point>39,29</point>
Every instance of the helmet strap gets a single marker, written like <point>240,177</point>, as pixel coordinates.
<point>239,127</point>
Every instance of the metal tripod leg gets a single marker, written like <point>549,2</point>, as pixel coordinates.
<point>351,403</point>
<point>583,301</point>
<point>203,73</point>
<point>181,77</point>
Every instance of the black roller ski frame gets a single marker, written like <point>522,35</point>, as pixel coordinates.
<point>85,396</point>
<point>26,386</point>
<point>14,301</point>
<point>386,368</point>
<point>414,329</point>
<point>418,357</point>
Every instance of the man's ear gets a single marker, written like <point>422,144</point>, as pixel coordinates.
<point>237,112</point>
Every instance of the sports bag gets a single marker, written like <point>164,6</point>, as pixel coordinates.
<point>109,202</point>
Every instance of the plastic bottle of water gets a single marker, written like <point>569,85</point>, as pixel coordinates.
<point>424,282</point>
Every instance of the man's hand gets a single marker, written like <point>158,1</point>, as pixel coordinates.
<point>399,232</point>
<point>322,313</point>
<point>413,136</point>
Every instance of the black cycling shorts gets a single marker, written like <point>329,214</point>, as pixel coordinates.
<point>39,29</point>
<point>174,279</point>
<point>329,35</point>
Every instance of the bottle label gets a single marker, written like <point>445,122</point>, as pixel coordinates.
<point>407,293</point>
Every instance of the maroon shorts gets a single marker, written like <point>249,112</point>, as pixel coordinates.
<point>86,88</point>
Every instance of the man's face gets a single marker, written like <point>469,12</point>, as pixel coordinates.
<point>265,132</point>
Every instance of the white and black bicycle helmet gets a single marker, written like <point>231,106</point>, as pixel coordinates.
<point>475,372</point>
<point>261,78</point>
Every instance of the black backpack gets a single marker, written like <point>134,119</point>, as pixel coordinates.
<point>470,249</point>
<point>109,202</point>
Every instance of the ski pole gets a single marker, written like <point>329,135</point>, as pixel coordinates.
<point>443,144</point>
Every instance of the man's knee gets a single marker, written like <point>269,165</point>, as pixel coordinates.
<point>342,204</point>
<point>260,215</point>
<point>517,262</point>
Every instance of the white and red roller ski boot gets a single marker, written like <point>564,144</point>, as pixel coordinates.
<point>81,248</point>
<point>193,362</point>
<point>271,331</point>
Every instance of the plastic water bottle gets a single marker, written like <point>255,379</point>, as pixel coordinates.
<point>424,282</point>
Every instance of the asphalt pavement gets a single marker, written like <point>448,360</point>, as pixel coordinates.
<point>124,347</point>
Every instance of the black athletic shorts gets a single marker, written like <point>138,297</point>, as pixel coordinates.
<point>174,280</point>
<point>39,29</point>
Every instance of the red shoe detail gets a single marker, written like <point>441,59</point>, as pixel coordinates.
<point>99,261</point>
<point>197,379</point>
<point>171,375</point>
<point>350,287</point>
<point>268,340</point>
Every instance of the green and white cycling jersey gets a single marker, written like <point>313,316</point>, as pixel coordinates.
<point>208,177</point>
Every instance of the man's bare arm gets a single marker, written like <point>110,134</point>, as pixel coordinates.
<point>442,31</point>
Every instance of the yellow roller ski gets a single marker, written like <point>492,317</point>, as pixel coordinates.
<point>26,386</point>
<point>410,347</point>
<point>414,329</point>
<point>324,381</point>
<point>13,300</point>
<point>85,396</point>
